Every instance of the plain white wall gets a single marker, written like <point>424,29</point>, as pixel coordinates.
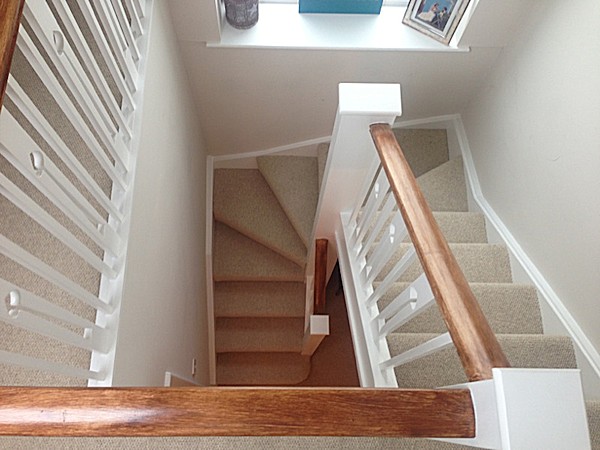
<point>534,131</point>
<point>163,319</point>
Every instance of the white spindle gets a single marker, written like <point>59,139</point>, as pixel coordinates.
<point>22,301</point>
<point>68,21</point>
<point>378,194</point>
<point>41,125</point>
<point>136,23</point>
<point>38,63</point>
<point>48,366</point>
<point>121,16</point>
<point>14,138</point>
<point>407,259</point>
<point>27,319</point>
<point>365,190</point>
<point>117,43</point>
<point>47,31</point>
<point>140,7</point>
<point>107,55</point>
<point>42,269</point>
<point>420,351</point>
<point>419,298</point>
<point>386,249</point>
<point>382,217</point>
<point>37,213</point>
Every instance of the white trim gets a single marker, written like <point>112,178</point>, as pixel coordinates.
<point>113,289</point>
<point>270,151</point>
<point>210,305</point>
<point>543,286</point>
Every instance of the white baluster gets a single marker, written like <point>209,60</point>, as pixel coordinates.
<point>107,55</point>
<point>136,23</point>
<point>406,306</point>
<point>364,191</point>
<point>15,138</point>
<point>68,21</point>
<point>48,366</point>
<point>420,351</point>
<point>121,17</point>
<point>31,262</point>
<point>407,259</point>
<point>118,44</point>
<point>41,125</point>
<point>37,213</point>
<point>20,312</point>
<point>378,194</point>
<point>34,57</point>
<point>384,215</point>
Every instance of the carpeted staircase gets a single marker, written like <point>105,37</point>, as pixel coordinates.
<point>512,309</point>
<point>263,223</point>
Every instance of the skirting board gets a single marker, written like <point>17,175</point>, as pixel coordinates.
<point>587,355</point>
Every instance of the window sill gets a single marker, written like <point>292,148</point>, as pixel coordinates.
<point>281,26</point>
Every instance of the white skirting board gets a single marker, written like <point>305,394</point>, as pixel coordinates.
<point>556,318</point>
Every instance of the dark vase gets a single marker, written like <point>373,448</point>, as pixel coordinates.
<point>241,14</point>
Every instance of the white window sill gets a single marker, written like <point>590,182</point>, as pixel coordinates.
<point>281,26</point>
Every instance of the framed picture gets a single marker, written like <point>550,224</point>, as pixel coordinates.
<point>435,18</point>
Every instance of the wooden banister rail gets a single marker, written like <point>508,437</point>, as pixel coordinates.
<point>10,19</point>
<point>475,341</point>
<point>235,412</point>
<point>320,279</point>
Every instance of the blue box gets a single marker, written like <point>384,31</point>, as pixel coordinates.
<point>340,6</point>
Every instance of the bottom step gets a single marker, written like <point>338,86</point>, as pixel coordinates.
<point>261,369</point>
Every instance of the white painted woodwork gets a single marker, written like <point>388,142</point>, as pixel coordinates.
<point>420,351</point>
<point>318,329</point>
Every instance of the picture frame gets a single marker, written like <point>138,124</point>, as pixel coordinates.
<point>437,19</point>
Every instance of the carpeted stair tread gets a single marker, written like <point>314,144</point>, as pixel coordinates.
<point>259,299</point>
<point>322,152</point>
<point>484,263</point>
<point>259,334</point>
<point>295,182</point>
<point>593,413</point>
<point>443,368</point>
<point>239,258</point>
<point>444,187</point>
<point>424,149</point>
<point>457,227</point>
<point>262,369</point>
<point>244,201</point>
<point>509,308</point>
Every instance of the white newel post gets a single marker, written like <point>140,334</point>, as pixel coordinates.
<point>529,409</point>
<point>318,329</point>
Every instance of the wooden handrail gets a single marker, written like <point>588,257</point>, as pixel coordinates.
<point>320,280</point>
<point>471,333</point>
<point>235,412</point>
<point>10,19</point>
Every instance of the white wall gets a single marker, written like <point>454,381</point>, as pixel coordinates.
<point>163,319</point>
<point>534,131</point>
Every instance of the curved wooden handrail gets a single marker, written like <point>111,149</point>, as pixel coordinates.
<point>471,333</point>
<point>10,19</point>
<point>236,412</point>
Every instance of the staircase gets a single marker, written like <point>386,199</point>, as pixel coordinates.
<point>263,224</point>
<point>512,309</point>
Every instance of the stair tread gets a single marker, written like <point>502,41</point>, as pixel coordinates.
<point>295,182</point>
<point>244,201</point>
<point>261,369</point>
<point>444,368</point>
<point>486,263</point>
<point>259,334</point>
<point>444,187</point>
<point>424,149</point>
<point>238,258</point>
<point>259,299</point>
<point>509,308</point>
